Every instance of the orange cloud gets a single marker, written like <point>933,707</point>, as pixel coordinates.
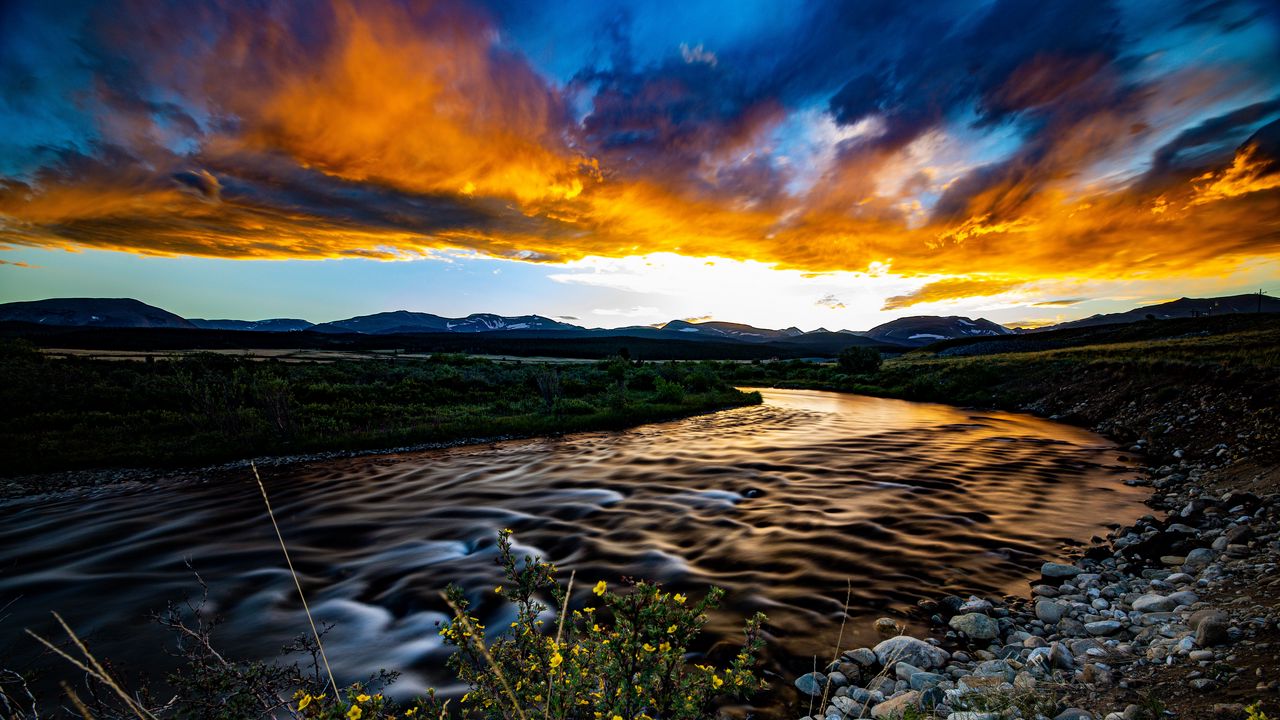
<point>952,289</point>
<point>401,130</point>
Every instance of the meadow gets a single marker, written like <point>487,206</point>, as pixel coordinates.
<point>74,412</point>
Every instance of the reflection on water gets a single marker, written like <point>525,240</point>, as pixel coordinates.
<point>780,504</point>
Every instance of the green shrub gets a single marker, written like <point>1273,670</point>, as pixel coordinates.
<point>668,392</point>
<point>624,658</point>
<point>859,360</point>
<point>574,406</point>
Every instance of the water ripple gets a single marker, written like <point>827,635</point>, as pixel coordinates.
<point>781,504</point>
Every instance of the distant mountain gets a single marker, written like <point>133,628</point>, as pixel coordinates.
<point>921,330</point>
<point>403,321</point>
<point>1180,308</point>
<point>92,312</point>
<point>823,341</point>
<point>735,331</point>
<point>270,325</point>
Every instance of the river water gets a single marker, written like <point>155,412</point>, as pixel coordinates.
<point>785,505</point>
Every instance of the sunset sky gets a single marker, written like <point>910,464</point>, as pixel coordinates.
<point>779,163</point>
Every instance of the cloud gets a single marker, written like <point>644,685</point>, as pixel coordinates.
<point>963,141</point>
<point>1065,302</point>
<point>952,289</point>
<point>637,311</point>
<point>830,301</point>
<point>1033,323</point>
<point>15,263</point>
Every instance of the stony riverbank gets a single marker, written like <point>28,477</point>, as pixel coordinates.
<point>1176,616</point>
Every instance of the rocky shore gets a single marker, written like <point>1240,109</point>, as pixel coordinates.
<point>1174,617</point>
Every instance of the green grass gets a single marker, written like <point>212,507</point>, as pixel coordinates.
<point>1251,357</point>
<point>70,413</point>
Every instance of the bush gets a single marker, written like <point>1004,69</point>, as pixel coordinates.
<point>625,658</point>
<point>859,360</point>
<point>668,392</point>
<point>573,406</point>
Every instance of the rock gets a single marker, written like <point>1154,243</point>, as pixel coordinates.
<point>995,668</point>
<point>1211,627</point>
<point>1229,711</point>
<point>933,698</point>
<point>862,656</point>
<point>925,680</point>
<point>1059,571</point>
<point>1200,558</point>
<point>811,683</point>
<point>851,671</point>
<point>904,671</point>
<point>1200,655</point>
<point>1070,626</point>
<point>1050,611</point>
<point>848,707</point>
<point>1097,675</point>
<point>1073,714</point>
<point>888,627</point>
<point>976,626</point>
<point>1103,627</point>
<point>975,604</point>
<point>897,706</point>
<point>1154,603</point>
<point>905,648</point>
<point>837,679</point>
<point>1060,657</point>
<point>1185,597</point>
<point>1202,684</point>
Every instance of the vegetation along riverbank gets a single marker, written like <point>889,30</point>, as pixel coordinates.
<point>84,413</point>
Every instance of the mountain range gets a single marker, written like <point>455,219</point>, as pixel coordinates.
<point>1181,308</point>
<point>904,332</point>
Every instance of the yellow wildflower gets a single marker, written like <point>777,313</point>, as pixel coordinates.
<point>647,647</point>
<point>716,680</point>
<point>498,589</point>
<point>679,598</point>
<point>362,698</point>
<point>305,701</point>
<point>354,713</point>
<point>556,660</point>
<point>600,588</point>
<point>671,629</point>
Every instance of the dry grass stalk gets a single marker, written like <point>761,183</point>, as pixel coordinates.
<point>93,669</point>
<point>297,583</point>
<point>848,595</point>
<point>77,702</point>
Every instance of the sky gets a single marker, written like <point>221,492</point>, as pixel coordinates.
<point>815,164</point>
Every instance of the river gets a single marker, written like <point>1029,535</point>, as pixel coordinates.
<point>781,504</point>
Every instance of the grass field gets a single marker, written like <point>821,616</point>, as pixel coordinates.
<point>73,412</point>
